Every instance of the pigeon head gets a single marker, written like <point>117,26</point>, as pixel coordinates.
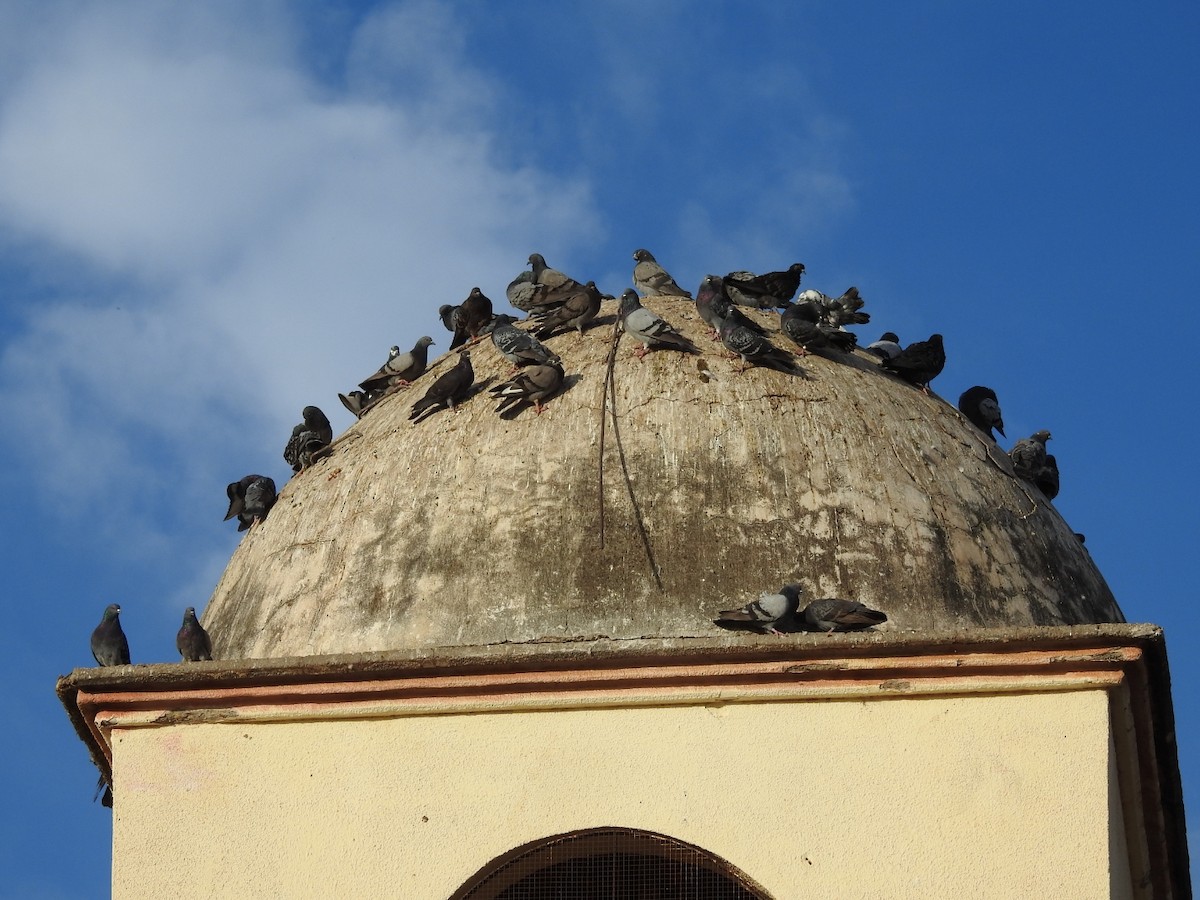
<point>991,414</point>
<point>537,260</point>
<point>111,611</point>
<point>629,301</point>
<point>189,614</point>
<point>643,256</point>
<point>1040,436</point>
<point>394,351</point>
<point>314,418</point>
<point>792,591</point>
<point>424,341</point>
<point>890,336</point>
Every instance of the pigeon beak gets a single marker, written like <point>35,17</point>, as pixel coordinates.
<point>1000,428</point>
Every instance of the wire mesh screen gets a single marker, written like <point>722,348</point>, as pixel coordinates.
<point>610,864</point>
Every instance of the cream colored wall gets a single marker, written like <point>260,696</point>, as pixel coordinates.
<point>979,796</point>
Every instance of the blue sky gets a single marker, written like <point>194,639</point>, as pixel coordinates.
<point>214,214</point>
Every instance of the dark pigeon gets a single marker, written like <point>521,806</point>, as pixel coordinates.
<point>192,641</point>
<point>519,347</point>
<point>449,390</point>
<point>802,323</point>
<point>651,279</point>
<point>576,312</point>
<point>982,409</point>
<point>724,309</point>
<point>918,363</point>
<point>1032,463</point>
<point>250,499</point>
<point>473,314</point>
<point>449,315</point>
<point>711,289</point>
<point>109,645</point>
<point>652,331</point>
<point>767,612</point>
<point>533,384</point>
<point>755,349</point>
<point>308,439</point>
<point>887,347</point>
<point>832,614</point>
<point>769,291</point>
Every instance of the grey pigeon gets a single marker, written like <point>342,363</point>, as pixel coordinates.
<point>576,312</point>
<point>519,347</point>
<point>754,348</point>
<point>472,315</point>
<point>651,279</point>
<point>192,641</point>
<point>838,311</point>
<point>982,409</point>
<point>1032,463</point>
<point>887,347</point>
<point>533,384</point>
<point>643,325</point>
<point>550,287</point>
<point>250,499</point>
<point>767,612</point>
<point>918,363</point>
<point>802,322</point>
<point>109,645</point>
<point>450,389</point>
<point>448,313</point>
<point>400,370</point>
<point>308,439</point>
<point>832,614</point>
<point>769,291</point>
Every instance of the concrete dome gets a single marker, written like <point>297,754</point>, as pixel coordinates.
<point>468,530</point>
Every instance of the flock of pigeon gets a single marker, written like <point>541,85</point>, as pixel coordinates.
<point>553,302</point>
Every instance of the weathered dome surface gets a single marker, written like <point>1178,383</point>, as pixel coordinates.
<point>469,530</point>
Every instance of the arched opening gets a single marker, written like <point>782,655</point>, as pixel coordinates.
<point>609,864</point>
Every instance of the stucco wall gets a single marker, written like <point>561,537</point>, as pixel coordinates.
<point>977,796</point>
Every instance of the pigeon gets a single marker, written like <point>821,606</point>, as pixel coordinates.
<point>519,347</point>
<point>1032,463</point>
<point>541,287</point>
<point>770,291</point>
<point>651,279</point>
<point>918,363</point>
<point>449,315</point>
<point>802,323</point>
<point>192,641</point>
<point>723,308</point>
<point>643,325</point>
<point>250,499</point>
<point>711,288</point>
<point>532,384</point>
<point>109,645</point>
<point>577,312</point>
<point>356,402</point>
<point>450,388</point>
<point>981,407</point>
<point>472,314</point>
<point>832,614</point>
<point>767,612</point>
<point>400,370</point>
<point>754,348</point>
<point>308,439</point>
<point>838,311</point>
<point>887,347</point>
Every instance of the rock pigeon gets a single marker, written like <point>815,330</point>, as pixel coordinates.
<point>533,384</point>
<point>544,286</point>
<point>651,279</point>
<point>308,439</point>
<point>449,316</point>
<point>250,499</point>
<point>982,409</point>
<point>918,363</point>
<point>711,288</point>
<point>109,645</point>
<point>400,370</point>
<point>769,291</point>
<point>839,311</point>
<point>1032,463</point>
<point>643,325</point>
<point>449,390</point>
<point>755,349</point>
<point>519,347</point>
<point>832,614</point>
<point>767,612</point>
<point>802,323</point>
<point>887,347</point>
<point>471,315</point>
<point>192,641</point>
<point>724,309</point>
<point>576,312</point>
